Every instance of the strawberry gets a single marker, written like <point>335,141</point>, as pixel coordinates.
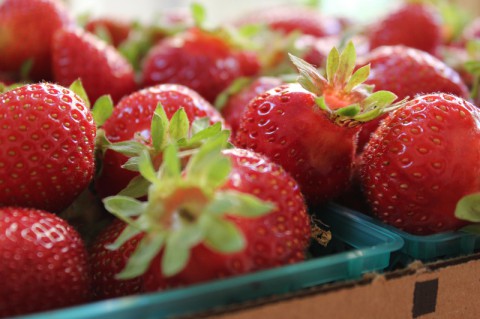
<point>226,214</point>
<point>198,59</point>
<point>408,72</point>
<point>79,54</point>
<point>421,161</point>
<point>47,136</point>
<point>24,36</point>
<point>115,30</point>
<point>43,262</point>
<point>415,25</point>
<point>235,98</point>
<point>131,121</point>
<point>287,19</point>
<point>310,129</point>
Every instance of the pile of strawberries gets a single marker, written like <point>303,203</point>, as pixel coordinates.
<point>138,158</point>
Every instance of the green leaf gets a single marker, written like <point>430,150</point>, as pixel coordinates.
<point>349,111</point>
<point>159,128</point>
<point>77,88</point>
<point>128,233</point>
<point>200,124</point>
<point>468,208</point>
<point>128,148</point>
<point>346,64</point>
<point>333,59</point>
<point>222,235</point>
<point>132,164</point>
<point>102,109</point>
<point>379,99</point>
<point>139,261</point>
<point>178,247</point>
<point>136,188</point>
<point>358,78</point>
<point>146,168</point>
<point>209,132</point>
<point>171,167</point>
<point>179,125</point>
<point>239,204</point>
<point>199,14</point>
<point>123,206</point>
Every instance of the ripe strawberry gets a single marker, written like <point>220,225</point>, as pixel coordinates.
<point>43,262</point>
<point>131,121</point>
<point>79,54</point>
<point>202,61</point>
<point>408,72</point>
<point>287,19</point>
<point>115,30</point>
<point>47,135</point>
<point>421,161</point>
<point>24,35</point>
<point>208,222</point>
<point>414,25</point>
<point>237,96</point>
<point>309,130</point>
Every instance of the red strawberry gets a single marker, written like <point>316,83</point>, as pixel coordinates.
<point>47,139</point>
<point>415,25</point>
<point>408,72</point>
<point>200,60</point>
<point>287,19</point>
<point>308,130</point>
<point>421,161</point>
<point>116,30</point>
<point>238,96</point>
<point>26,31</point>
<point>43,262</point>
<point>79,54</point>
<point>131,120</point>
<point>214,223</point>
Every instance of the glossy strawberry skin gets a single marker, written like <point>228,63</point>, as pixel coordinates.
<point>79,54</point>
<point>24,36</point>
<point>421,161</point>
<point>106,263</point>
<point>278,238</point>
<point>407,72</point>
<point>413,24</point>
<point>199,60</point>
<point>133,115</point>
<point>47,135</point>
<point>233,109</point>
<point>43,262</point>
<point>286,125</point>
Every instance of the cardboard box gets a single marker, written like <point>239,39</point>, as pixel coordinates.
<point>444,289</point>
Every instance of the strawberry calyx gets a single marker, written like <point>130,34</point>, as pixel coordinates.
<point>342,92</point>
<point>468,209</point>
<point>184,208</point>
<point>472,66</point>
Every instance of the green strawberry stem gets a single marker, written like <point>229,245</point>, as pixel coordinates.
<point>342,92</point>
<point>184,208</point>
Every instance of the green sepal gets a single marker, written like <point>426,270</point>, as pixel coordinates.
<point>346,65</point>
<point>178,247</point>
<point>333,60</point>
<point>222,235</point>
<point>77,88</point>
<point>131,164</point>
<point>136,188</point>
<point>159,128</point>
<point>203,135</point>
<point>179,125</point>
<point>310,79</point>
<point>171,166</point>
<point>349,111</point>
<point>237,85</point>
<point>128,148</point>
<point>145,167</point>
<point>102,109</point>
<point>199,14</point>
<point>200,124</point>
<point>468,208</point>
<point>320,102</point>
<point>128,233</point>
<point>124,207</point>
<point>238,204</point>
<point>149,247</point>
<point>471,229</point>
<point>358,78</point>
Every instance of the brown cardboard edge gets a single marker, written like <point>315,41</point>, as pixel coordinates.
<point>405,292</point>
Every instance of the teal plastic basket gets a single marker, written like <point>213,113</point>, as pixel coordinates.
<point>357,247</point>
<point>425,248</point>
